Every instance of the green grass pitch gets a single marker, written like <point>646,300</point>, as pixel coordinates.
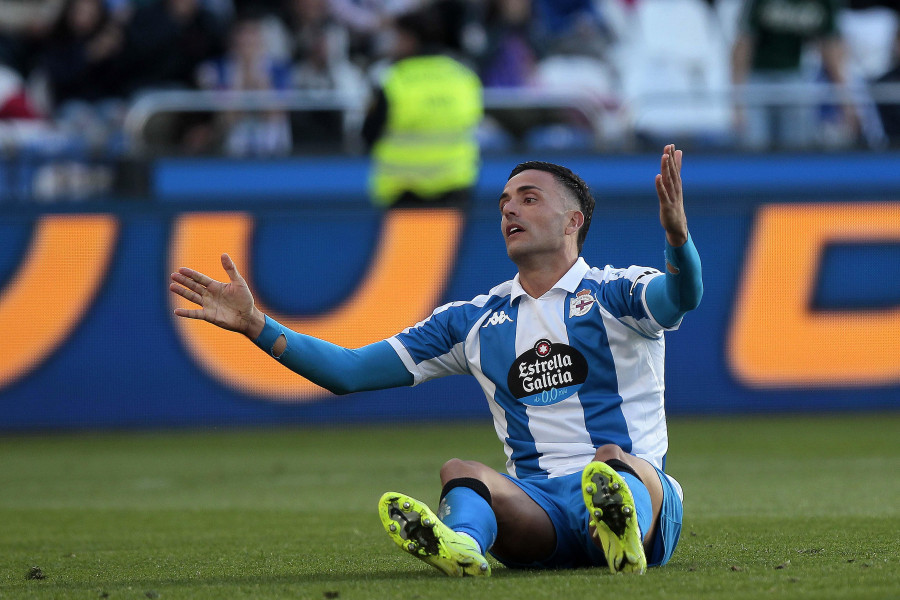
<point>776,507</point>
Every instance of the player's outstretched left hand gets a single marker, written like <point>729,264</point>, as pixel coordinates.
<point>671,198</point>
<point>228,305</point>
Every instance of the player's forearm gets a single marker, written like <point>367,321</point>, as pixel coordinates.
<point>685,287</point>
<point>670,297</point>
<point>337,369</point>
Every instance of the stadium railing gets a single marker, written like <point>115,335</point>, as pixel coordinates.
<point>518,109</point>
<point>350,108</point>
<point>514,109</point>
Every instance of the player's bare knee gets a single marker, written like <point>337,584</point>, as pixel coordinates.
<point>456,468</point>
<point>451,469</point>
<point>610,452</point>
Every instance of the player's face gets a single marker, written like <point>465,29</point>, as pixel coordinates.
<point>536,216</point>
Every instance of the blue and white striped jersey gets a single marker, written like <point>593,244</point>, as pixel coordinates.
<point>577,368</point>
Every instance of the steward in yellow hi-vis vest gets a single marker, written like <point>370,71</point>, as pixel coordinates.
<point>426,149</point>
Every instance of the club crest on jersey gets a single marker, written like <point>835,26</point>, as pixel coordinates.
<point>546,374</point>
<point>581,303</point>
<point>497,318</point>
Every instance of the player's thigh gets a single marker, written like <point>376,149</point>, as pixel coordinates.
<point>648,475</point>
<point>525,532</point>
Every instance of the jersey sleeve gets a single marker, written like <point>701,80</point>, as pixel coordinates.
<point>624,296</point>
<point>435,347</point>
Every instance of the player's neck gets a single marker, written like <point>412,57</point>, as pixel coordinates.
<point>539,275</point>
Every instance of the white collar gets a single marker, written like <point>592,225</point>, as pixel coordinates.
<point>568,282</point>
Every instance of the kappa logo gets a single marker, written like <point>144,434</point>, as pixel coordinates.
<point>581,303</point>
<point>497,318</point>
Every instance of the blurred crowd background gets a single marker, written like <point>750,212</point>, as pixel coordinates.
<point>134,79</point>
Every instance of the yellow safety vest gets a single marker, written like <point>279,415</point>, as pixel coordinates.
<point>428,146</point>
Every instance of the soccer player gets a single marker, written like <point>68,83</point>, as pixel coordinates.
<point>570,359</point>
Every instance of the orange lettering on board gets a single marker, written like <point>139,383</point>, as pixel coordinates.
<point>53,287</point>
<point>776,339</point>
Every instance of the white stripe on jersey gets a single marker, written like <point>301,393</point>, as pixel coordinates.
<point>633,359</point>
<point>561,436</point>
<point>473,356</point>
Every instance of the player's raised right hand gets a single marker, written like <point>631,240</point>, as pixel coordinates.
<point>228,305</point>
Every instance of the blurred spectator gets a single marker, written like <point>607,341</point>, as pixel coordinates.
<point>84,54</point>
<point>320,50</point>
<point>46,163</point>
<point>23,27</point>
<point>167,40</point>
<point>773,35</point>
<point>368,23</point>
<point>512,48</point>
<point>248,66</point>
<point>422,124</point>
<point>307,22</point>
<point>15,105</point>
<point>21,125</point>
<point>869,28</point>
<point>674,76</point>
<point>572,27</point>
<point>890,111</point>
<point>83,68</point>
<point>94,54</point>
<point>368,16</point>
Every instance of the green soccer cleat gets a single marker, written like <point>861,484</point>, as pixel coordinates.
<point>419,532</point>
<point>613,518</point>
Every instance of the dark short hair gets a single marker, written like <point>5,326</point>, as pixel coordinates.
<point>571,182</point>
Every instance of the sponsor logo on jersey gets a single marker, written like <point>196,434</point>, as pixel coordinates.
<point>547,374</point>
<point>581,304</point>
<point>497,318</point>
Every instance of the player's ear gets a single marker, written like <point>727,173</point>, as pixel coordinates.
<point>576,220</point>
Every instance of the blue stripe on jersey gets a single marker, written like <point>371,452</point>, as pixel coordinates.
<point>600,392</point>
<point>438,334</point>
<point>498,352</point>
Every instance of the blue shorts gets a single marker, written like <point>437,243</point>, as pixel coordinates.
<point>561,499</point>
